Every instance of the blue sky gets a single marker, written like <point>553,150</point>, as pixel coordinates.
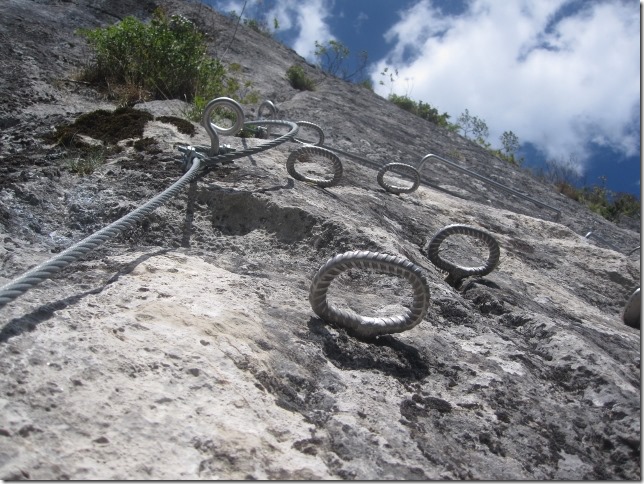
<point>563,75</point>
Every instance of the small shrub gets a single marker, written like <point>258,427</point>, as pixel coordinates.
<point>422,110</point>
<point>331,57</point>
<point>86,162</point>
<point>165,59</point>
<point>367,84</point>
<point>298,78</point>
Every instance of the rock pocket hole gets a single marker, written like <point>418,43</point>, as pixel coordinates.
<point>242,213</point>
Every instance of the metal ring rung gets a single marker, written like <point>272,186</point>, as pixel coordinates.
<point>310,150</point>
<point>314,127</point>
<point>362,325</point>
<point>455,270</point>
<point>394,188</point>
<point>633,310</point>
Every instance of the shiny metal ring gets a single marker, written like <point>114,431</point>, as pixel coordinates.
<point>271,107</point>
<point>633,310</point>
<point>314,127</point>
<point>362,325</point>
<point>397,189</point>
<point>213,130</point>
<point>309,150</point>
<point>459,272</point>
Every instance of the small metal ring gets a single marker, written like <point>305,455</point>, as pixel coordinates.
<point>316,151</point>
<point>633,310</point>
<point>459,272</point>
<point>213,130</point>
<point>316,128</point>
<point>397,189</point>
<point>362,325</point>
<point>269,104</point>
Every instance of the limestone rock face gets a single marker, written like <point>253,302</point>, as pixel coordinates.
<point>186,347</point>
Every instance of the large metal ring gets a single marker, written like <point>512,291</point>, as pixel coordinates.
<point>309,150</point>
<point>397,189</point>
<point>633,310</point>
<point>314,127</point>
<point>362,325</point>
<point>459,272</point>
<point>213,130</point>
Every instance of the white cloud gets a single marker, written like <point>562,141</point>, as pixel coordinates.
<point>557,78</point>
<point>305,20</point>
<point>360,20</point>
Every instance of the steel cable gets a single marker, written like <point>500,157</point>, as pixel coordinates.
<point>45,270</point>
<point>195,162</point>
<point>210,161</point>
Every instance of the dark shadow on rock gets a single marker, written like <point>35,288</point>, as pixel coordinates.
<point>289,185</point>
<point>480,281</point>
<point>190,215</point>
<point>250,157</point>
<point>29,321</point>
<point>326,192</point>
<point>381,353</point>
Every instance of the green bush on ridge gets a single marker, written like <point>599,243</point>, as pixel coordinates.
<point>165,59</point>
<point>298,78</point>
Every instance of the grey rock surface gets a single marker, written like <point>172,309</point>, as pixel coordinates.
<point>186,348</point>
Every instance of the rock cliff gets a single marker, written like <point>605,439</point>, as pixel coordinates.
<point>186,347</point>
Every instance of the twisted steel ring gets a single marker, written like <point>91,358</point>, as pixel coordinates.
<point>362,325</point>
<point>457,272</point>
<point>316,128</point>
<point>213,130</point>
<point>317,151</point>
<point>394,188</point>
<point>633,310</point>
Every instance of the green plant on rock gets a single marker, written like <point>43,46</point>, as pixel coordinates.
<point>332,58</point>
<point>164,59</point>
<point>422,110</point>
<point>298,78</point>
<point>85,162</point>
<point>475,125</point>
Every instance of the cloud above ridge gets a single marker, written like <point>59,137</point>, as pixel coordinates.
<point>558,73</point>
<point>303,21</point>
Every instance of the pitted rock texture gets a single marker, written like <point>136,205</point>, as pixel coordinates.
<point>186,348</point>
